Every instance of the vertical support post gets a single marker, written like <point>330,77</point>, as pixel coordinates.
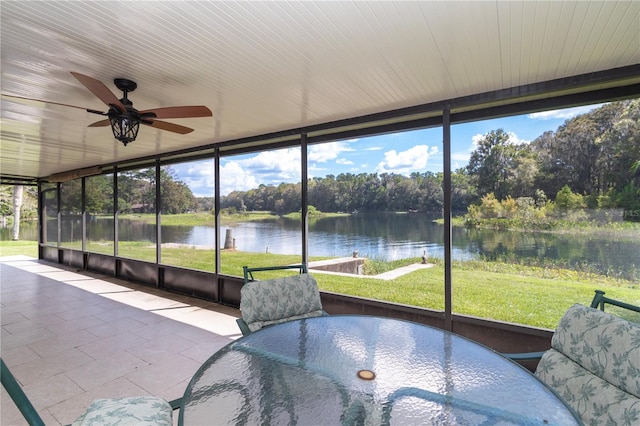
<point>58,213</point>
<point>42,219</point>
<point>116,211</point>
<point>304,198</point>
<point>158,204</point>
<point>83,199</point>
<point>446,142</point>
<point>216,206</point>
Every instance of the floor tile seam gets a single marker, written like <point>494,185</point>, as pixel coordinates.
<point>193,323</point>
<point>144,364</point>
<point>134,293</point>
<point>27,344</point>
<point>60,379</point>
<point>168,335</point>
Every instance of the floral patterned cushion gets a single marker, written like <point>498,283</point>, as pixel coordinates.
<point>279,300</point>
<point>133,411</point>
<point>597,401</point>
<point>594,365</point>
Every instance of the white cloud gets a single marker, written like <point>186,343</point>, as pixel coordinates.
<point>513,139</point>
<point>475,139</point>
<point>406,162</point>
<point>282,163</point>
<point>197,175</point>
<point>460,157</point>
<point>269,168</point>
<point>234,177</point>
<point>328,151</point>
<point>562,113</point>
<point>343,161</point>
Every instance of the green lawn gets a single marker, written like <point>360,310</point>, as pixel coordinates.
<point>519,294</point>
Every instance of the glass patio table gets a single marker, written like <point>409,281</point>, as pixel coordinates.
<point>349,369</point>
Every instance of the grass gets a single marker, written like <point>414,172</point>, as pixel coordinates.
<point>207,219</point>
<point>19,248</point>
<point>520,294</point>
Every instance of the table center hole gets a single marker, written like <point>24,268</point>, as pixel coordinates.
<point>366,374</point>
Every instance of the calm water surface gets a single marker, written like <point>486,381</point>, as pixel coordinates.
<point>383,237</point>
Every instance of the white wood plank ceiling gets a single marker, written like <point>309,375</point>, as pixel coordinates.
<point>269,66</point>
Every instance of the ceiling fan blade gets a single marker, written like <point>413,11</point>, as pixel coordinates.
<point>163,125</point>
<point>100,90</point>
<point>54,103</point>
<point>177,112</point>
<point>101,123</point>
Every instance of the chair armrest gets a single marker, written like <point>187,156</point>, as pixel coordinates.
<point>524,356</point>
<point>176,404</point>
<point>599,301</point>
<point>244,327</point>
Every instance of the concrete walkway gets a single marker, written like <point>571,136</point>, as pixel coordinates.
<point>389,275</point>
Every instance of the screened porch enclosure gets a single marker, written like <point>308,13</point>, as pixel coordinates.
<point>138,223</point>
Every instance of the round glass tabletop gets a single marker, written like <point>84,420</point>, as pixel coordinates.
<point>365,370</point>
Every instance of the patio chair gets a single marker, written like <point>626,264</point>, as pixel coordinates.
<point>264,303</point>
<point>594,362</point>
<point>139,410</point>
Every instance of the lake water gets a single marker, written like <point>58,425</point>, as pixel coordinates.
<point>387,237</point>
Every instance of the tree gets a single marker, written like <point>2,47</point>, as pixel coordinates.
<point>99,194</point>
<point>17,206</point>
<point>176,195</point>
<point>568,200</point>
<point>492,164</point>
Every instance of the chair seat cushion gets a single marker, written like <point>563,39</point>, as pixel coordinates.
<point>279,300</point>
<point>597,401</point>
<point>134,411</point>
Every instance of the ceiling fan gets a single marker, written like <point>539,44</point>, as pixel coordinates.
<point>124,119</point>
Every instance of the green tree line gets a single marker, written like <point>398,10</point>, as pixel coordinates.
<point>594,155</point>
<point>137,193</point>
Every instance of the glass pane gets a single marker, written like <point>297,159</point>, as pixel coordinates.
<point>375,209</point>
<point>188,232</point>
<point>71,214</point>
<point>137,214</point>
<point>261,204</point>
<point>99,206</point>
<point>28,227</point>
<point>549,217</point>
<point>50,214</point>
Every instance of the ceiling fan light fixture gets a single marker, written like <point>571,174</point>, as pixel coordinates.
<point>124,127</point>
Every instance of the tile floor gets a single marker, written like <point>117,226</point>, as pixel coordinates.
<point>70,336</point>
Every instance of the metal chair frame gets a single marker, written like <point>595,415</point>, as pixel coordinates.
<point>598,302</point>
<point>248,272</point>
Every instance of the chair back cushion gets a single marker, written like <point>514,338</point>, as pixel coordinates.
<point>603,344</point>
<point>279,300</point>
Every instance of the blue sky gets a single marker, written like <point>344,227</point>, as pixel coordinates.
<point>402,153</point>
